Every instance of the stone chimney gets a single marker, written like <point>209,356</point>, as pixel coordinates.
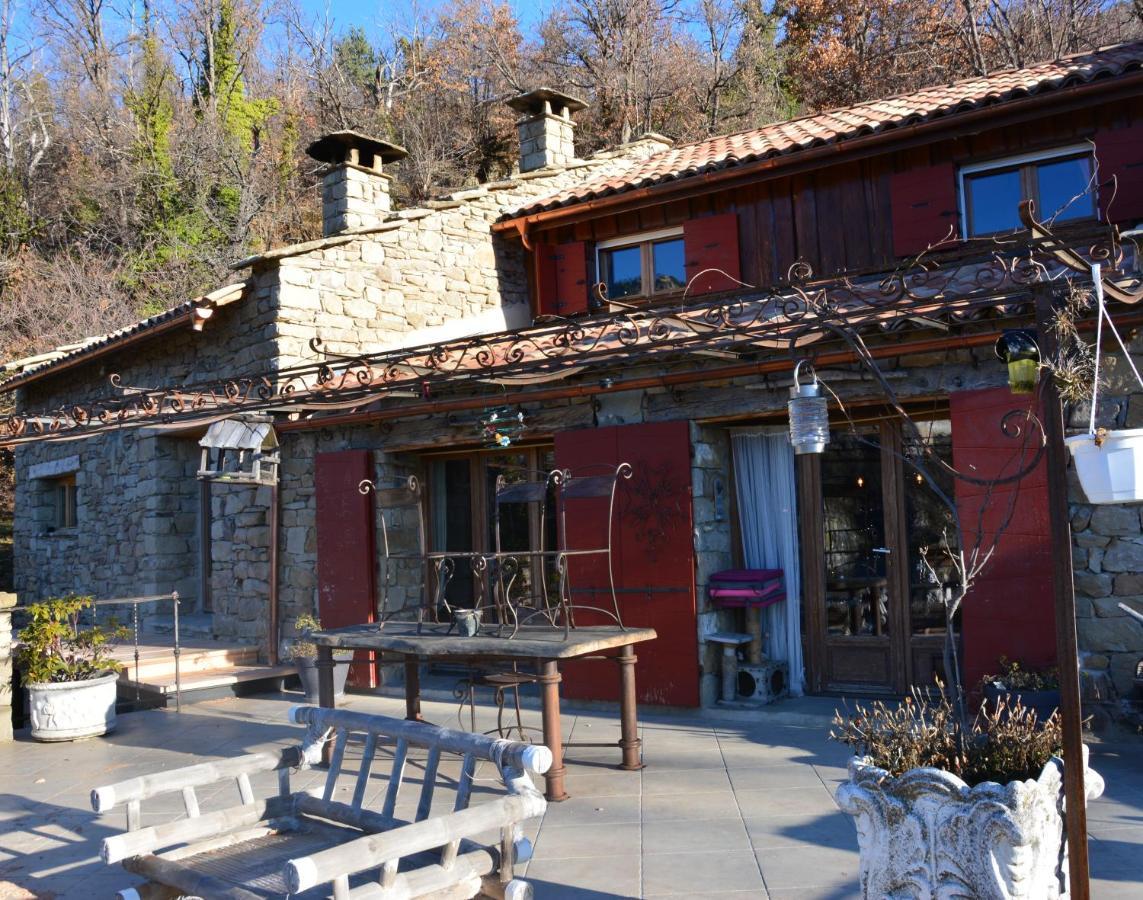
<point>547,132</point>
<point>354,190</point>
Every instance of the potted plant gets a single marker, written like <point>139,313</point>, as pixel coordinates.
<point>944,810</point>
<point>304,654</point>
<point>68,671</point>
<point>1037,689</point>
<point>1109,462</point>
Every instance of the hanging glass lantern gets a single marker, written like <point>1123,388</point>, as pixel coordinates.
<point>809,416</point>
<point>1019,350</point>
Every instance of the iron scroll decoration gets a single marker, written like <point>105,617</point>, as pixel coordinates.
<point>957,288</point>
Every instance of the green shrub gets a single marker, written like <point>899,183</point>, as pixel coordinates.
<point>54,647</point>
<point>303,624</point>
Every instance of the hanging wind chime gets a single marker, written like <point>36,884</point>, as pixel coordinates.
<point>502,425</point>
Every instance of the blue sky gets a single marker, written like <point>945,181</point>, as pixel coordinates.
<point>374,15</point>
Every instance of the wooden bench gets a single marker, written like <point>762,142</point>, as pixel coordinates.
<point>307,844</point>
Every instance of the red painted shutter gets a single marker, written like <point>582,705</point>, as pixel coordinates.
<point>924,207</point>
<point>1120,154</point>
<point>562,279</point>
<point>653,558</point>
<point>712,243</point>
<point>1008,612</point>
<point>345,549</point>
<point>545,280</point>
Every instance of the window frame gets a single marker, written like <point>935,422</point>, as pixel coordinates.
<point>1025,164</point>
<point>65,502</point>
<point>645,241</point>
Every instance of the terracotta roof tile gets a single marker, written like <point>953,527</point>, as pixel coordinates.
<point>785,138</point>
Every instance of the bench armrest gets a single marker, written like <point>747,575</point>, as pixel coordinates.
<point>374,850</point>
<point>145,786</point>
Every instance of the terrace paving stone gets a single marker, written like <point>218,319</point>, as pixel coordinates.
<point>728,806</point>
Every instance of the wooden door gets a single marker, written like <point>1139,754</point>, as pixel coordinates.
<point>877,572</point>
<point>345,550</point>
<point>653,558</point>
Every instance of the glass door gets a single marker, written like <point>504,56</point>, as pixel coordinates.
<point>885,547</point>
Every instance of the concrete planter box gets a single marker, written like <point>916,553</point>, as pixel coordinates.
<point>70,710</point>
<point>1113,471</point>
<point>928,835</point>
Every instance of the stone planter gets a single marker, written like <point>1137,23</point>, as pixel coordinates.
<point>308,673</point>
<point>1113,471</point>
<point>927,834</point>
<point>70,710</point>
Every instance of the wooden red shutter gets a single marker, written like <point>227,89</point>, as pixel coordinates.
<point>1008,610</point>
<point>712,243</point>
<point>1120,155</point>
<point>653,558</point>
<point>545,280</point>
<point>562,279</point>
<point>345,549</point>
<point>924,207</point>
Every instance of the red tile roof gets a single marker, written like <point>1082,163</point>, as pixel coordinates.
<point>835,126</point>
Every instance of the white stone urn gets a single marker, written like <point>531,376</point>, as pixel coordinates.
<point>928,835</point>
<point>70,710</point>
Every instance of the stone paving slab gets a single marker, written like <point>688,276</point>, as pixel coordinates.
<point>729,806</point>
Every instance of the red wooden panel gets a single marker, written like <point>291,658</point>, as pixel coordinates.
<point>1008,611</point>
<point>653,558</point>
<point>345,549</point>
<point>1120,154</point>
<point>545,280</point>
<point>712,243</point>
<point>571,278</point>
<point>924,207</point>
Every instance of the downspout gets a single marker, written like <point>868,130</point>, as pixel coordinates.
<point>274,636</point>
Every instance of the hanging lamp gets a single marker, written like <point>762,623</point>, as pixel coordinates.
<point>809,415</point>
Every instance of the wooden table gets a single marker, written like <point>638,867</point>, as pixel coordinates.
<point>543,647</point>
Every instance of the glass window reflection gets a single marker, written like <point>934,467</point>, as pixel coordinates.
<point>669,266</point>
<point>624,268</point>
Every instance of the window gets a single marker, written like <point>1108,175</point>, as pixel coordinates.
<point>1060,184</point>
<point>644,266</point>
<point>63,501</point>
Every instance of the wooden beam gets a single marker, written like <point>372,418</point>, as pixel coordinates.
<point>1067,647</point>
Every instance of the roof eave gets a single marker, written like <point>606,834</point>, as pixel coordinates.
<point>1005,112</point>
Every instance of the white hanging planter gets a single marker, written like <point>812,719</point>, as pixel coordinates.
<point>1112,471</point>
<point>927,835</point>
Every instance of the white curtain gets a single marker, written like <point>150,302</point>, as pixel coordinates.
<point>768,514</point>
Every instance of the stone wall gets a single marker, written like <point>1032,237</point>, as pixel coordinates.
<point>1107,543</point>
<point>240,561</point>
<point>136,518</point>
<point>711,486</point>
<point>422,270</point>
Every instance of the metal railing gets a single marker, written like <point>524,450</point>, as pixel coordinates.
<point>135,603</point>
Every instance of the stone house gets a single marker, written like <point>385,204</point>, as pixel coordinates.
<point>643,305</point>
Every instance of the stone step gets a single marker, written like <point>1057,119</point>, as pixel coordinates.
<point>158,662</point>
<point>190,624</point>
<point>208,684</point>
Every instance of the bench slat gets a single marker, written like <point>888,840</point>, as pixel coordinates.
<point>395,777</point>
<point>366,764</point>
<point>427,786</point>
<point>335,763</point>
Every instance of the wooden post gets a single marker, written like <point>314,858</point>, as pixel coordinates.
<point>549,679</point>
<point>629,740</point>
<point>1067,650</point>
<point>325,665</point>
<point>413,688</point>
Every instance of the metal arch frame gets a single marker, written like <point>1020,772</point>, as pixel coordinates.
<point>938,290</point>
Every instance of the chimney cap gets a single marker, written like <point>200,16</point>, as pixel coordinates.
<point>533,101</point>
<point>334,148</point>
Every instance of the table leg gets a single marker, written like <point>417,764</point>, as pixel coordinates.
<point>413,688</point>
<point>629,740</point>
<point>549,678</point>
<point>325,665</point>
